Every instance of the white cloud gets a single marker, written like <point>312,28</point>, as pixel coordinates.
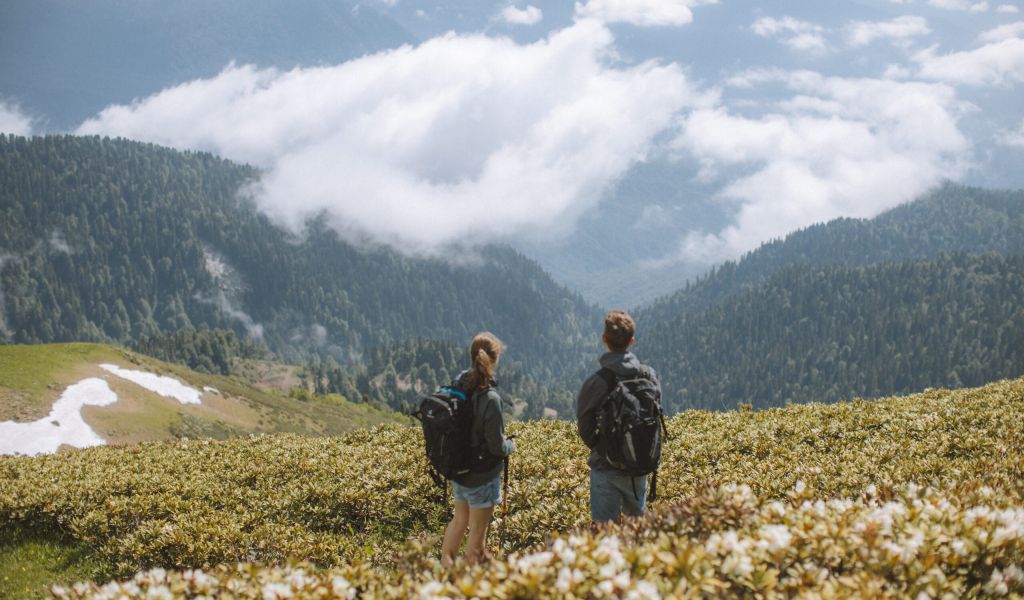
<point>838,147</point>
<point>13,121</point>
<point>964,5</point>
<point>1003,32</point>
<point>644,13</point>
<point>798,35</point>
<point>531,15</point>
<point>998,63</point>
<point>1008,9</point>
<point>461,139</point>
<point>1013,137</point>
<point>862,33</point>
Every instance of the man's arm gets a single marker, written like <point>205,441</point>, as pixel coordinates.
<point>594,388</point>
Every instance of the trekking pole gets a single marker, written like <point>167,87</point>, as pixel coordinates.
<point>504,505</point>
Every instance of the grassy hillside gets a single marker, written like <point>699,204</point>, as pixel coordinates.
<point>887,498</point>
<point>32,377</point>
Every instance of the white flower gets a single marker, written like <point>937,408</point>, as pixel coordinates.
<point>276,591</point>
<point>997,584</point>
<point>342,588</point>
<point>432,591</point>
<point>160,592</point>
<point>774,538</point>
<point>644,590</point>
<point>564,582</point>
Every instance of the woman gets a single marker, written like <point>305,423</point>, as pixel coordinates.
<point>478,492</point>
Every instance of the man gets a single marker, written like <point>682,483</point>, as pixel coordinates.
<point>612,491</point>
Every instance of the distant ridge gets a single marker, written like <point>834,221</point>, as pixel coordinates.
<point>952,218</point>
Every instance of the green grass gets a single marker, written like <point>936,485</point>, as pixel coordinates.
<point>30,564</point>
<point>31,377</point>
<point>36,368</point>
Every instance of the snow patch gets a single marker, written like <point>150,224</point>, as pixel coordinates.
<point>211,390</point>
<point>64,424</point>
<point>167,387</point>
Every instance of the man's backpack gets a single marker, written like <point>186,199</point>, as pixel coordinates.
<point>447,419</point>
<point>631,424</point>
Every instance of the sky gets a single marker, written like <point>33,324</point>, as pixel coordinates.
<point>514,120</point>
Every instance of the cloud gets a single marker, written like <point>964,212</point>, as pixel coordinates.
<point>1007,9</point>
<point>58,243</point>
<point>998,63</point>
<point>964,5</point>
<point>461,139</point>
<point>13,121</point>
<point>798,35</point>
<point>1012,137</point>
<point>862,33</point>
<point>836,147</point>
<point>531,15</point>
<point>1003,32</point>
<point>644,13</point>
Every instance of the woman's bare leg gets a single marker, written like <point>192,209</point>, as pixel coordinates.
<point>479,520</point>
<point>454,532</point>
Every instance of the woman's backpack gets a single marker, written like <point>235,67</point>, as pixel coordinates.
<point>447,419</point>
<point>631,424</point>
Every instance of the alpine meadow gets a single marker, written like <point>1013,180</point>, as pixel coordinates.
<point>660,299</point>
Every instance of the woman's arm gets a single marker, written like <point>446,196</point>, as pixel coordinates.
<point>494,427</point>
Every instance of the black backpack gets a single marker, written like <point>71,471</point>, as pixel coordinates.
<point>631,424</point>
<point>447,419</point>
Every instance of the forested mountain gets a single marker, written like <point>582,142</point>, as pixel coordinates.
<point>824,333</point>
<point>112,240</point>
<point>68,59</point>
<point>952,218</point>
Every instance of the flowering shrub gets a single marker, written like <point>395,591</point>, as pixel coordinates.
<point>900,496</point>
<point>723,542</point>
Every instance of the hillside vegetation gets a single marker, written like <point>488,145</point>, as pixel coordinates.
<point>951,219</point>
<point>887,498</point>
<point>33,377</point>
<point>831,332</point>
<point>117,241</point>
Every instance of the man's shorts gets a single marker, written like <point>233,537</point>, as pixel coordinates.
<point>613,492</point>
<point>481,496</point>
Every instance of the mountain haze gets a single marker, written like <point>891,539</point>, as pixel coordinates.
<point>111,240</point>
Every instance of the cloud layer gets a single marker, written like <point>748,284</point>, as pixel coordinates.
<point>836,147</point>
<point>643,13</point>
<point>461,139</point>
<point>12,120</point>
<point>530,15</point>
<point>997,63</point>
<point>798,35</point>
<point>900,29</point>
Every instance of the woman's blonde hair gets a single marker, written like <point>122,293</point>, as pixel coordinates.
<point>484,353</point>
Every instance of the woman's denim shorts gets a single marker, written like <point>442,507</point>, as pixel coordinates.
<point>481,496</point>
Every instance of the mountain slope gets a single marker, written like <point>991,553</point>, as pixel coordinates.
<point>111,240</point>
<point>952,218</point>
<point>822,333</point>
<point>182,404</point>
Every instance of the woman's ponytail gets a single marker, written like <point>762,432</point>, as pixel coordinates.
<point>484,353</point>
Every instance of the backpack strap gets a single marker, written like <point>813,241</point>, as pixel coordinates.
<point>608,376</point>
